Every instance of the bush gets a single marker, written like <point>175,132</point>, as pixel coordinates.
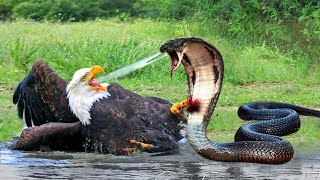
<point>290,25</point>
<point>63,10</point>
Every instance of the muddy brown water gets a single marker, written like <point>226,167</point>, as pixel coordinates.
<point>185,165</point>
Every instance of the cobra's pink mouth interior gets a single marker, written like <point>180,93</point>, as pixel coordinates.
<point>174,61</point>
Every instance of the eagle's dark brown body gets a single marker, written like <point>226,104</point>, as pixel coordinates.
<point>125,115</point>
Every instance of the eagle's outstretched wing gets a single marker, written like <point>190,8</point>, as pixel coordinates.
<point>41,97</point>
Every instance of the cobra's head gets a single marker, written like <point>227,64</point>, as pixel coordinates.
<point>175,49</point>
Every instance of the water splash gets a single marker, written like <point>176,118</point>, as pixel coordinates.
<point>132,67</point>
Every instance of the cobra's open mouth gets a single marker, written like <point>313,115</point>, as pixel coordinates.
<point>175,61</point>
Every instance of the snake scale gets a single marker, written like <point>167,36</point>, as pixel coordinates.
<point>258,142</point>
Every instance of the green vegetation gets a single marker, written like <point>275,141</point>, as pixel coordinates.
<point>270,49</point>
<point>288,25</point>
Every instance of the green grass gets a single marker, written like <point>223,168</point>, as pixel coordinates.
<point>10,124</point>
<point>252,73</point>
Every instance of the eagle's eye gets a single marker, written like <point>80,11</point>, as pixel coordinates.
<point>83,78</point>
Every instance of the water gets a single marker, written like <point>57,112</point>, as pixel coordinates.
<point>185,165</point>
<point>132,67</point>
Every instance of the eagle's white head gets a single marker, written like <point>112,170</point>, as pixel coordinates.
<point>83,90</point>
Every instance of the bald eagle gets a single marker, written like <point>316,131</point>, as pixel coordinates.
<point>86,115</point>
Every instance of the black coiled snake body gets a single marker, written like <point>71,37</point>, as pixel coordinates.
<point>258,142</point>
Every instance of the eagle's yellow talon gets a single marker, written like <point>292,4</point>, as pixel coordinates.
<point>129,150</point>
<point>175,109</point>
<point>142,145</point>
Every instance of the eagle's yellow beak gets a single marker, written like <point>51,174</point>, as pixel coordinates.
<point>94,70</point>
<point>92,83</point>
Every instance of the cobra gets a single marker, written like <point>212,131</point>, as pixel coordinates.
<point>257,142</point>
